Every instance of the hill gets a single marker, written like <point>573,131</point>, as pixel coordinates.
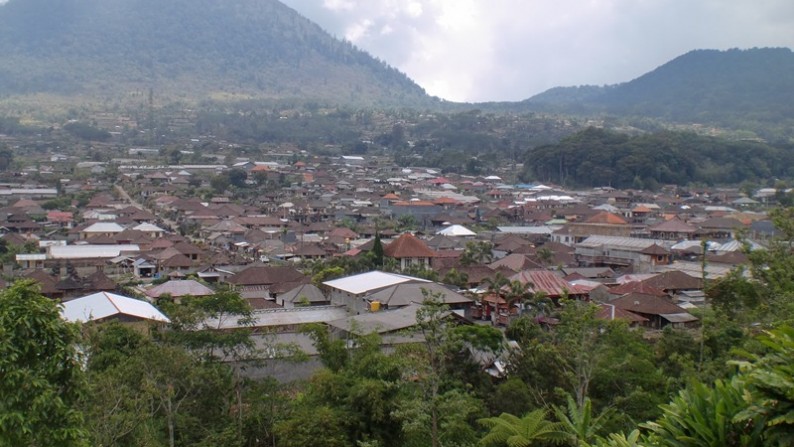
<point>598,157</point>
<point>187,50</point>
<point>750,89</point>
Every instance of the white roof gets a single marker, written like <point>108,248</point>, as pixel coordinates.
<point>31,257</point>
<point>539,229</point>
<point>456,230</point>
<point>148,228</point>
<point>103,305</point>
<point>104,227</point>
<point>91,251</point>
<point>365,282</point>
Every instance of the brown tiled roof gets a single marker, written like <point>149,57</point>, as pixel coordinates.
<point>408,246</point>
<point>605,313</point>
<point>637,287</point>
<point>646,304</point>
<point>343,232</point>
<point>186,248</point>
<point>99,281</point>
<point>674,280</point>
<point>655,250</point>
<point>673,226</point>
<point>265,275</point>
<point>516,262</point>
<point>177,260</point>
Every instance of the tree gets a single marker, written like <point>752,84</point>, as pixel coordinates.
<point>704,416</point>
<point>456,278</point>
<point>40,376</point>
<point>377,251</point>
<point>477,252</point>
<point>513,431</point>
<point>578,422</point>
<point>769,378</point>
<point>220,183</point>
<point>545,255</point>
<point>237,177</point>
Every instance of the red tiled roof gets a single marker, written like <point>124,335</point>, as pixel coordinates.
<point>608,218</point>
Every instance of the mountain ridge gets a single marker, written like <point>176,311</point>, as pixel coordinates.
<point>198,48</point>
<point>731,87</point>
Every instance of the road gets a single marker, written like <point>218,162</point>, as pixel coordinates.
<point>126,197</point>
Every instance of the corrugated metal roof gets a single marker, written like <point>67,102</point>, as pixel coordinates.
<point>629,243</point>
<point>380,322</point>
<point>365,282</point>
<point>285,317</point>
<point>104,227</point>
<point>102,305</point>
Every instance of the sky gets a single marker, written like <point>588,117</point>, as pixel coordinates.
<point>510,50</point>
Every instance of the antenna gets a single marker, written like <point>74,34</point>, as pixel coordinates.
<point>150,105</point>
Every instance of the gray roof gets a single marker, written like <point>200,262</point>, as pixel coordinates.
<point>405,294</point>
<point>380,322</point>
<point>177,288</point>
<point>309,291</point>
<point>627,243</point>
<point>287,317</point>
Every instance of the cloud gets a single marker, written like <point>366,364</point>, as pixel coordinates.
<point>471,50</point>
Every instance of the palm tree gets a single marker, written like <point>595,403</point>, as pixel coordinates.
<point>545,255</point>
<point>512,431</point>
<point>578,422</point>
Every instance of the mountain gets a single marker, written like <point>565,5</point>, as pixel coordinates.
<point>732,88</point>
<point>187,49</point>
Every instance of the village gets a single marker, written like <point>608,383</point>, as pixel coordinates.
<point>296,236</point>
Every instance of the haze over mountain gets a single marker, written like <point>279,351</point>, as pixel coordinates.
<point>221,49</point>
<point>731,88</point>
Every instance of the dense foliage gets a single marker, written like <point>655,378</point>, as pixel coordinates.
<point>197,49</point>
<point>598,157</point>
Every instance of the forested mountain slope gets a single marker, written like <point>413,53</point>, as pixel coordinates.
<point>751,89</point>
<point>187,49</point>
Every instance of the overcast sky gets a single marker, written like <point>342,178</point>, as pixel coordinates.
<point>494,50</point>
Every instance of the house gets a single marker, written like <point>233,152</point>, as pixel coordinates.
<point>108,229</point>
<point>602,224</point>
<point>153,231</point>
<point>672,230</point>
<point>303,295</point>
<point>352,291</point>
<point>103,306</point>
<point>266,281</point>
<point>409,251</point>
<point>659,311</point>
<point>549,285</point>
<point>177,289</point>
<point>609,312</point>
<point>616,251</point>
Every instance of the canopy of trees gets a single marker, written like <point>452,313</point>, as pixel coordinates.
<point>598,157</point>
